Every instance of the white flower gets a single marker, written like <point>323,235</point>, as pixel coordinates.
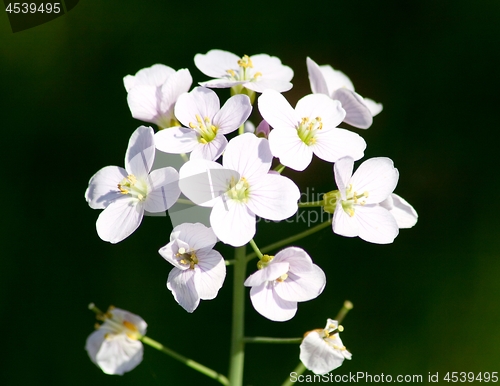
<point>403,212</point>
<point>355,204</point>
<point>206,123</point>
<point>239,189</point>
<point>322,350</point>
<point>153,91</point>
<point>115,346</point>
<point>325,80</point>
<point>125,194</point>
<point>309,128</point>
<point>199,271</point>
<point>256,72</point>
<point>282,281</point>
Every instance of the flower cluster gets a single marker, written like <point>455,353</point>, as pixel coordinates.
<point>228,168</point>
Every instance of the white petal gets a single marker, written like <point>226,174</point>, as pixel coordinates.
<point>203,182</point>
<point>140,153</point>
<point>176,85</point>
<point>343,172</point>
<point>163,187</point>
<point>249,155</point>
<point>169,252</point>
<point>196,235</point>
<point>144,102</point>
<point>374,107</point>
<point>270,273</point>
<point>335,79</point>
<point>298,259</point>
<point>103,187</point>
<point>276,110</point>
<point>210,275</point>
<point>343,224</point>
<point>271,68</point>
<point>211,150</point>
<point>267,303</point>
<point>121,315</point>
<point>201,102</point>
<point>376,224</point>
<point>290,149</point>
<point>221,83</point>
<point>318,356</point>
<point>119,354</point>
<point>215,63</point>
<point>235,111</point>
<point>378,177</point>
<point>181,283</point>
<point>176,140</point>
<point>403,212</point>
<point>93,343</point>
<point>119,220</point>
<point>302,286</point>
<point>273,197</point>
<point>232,222</point>
<point>337,143</point>
<point>357,113</point>
<point>155,75</point>
<point>320,105</point>
<point>316,78</point>
<point>262,84</point>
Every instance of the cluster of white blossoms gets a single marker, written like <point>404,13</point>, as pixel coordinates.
<point>228,168</point>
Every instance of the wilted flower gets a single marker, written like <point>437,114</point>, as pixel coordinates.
<point>322,350</point>
<point>115,346</point>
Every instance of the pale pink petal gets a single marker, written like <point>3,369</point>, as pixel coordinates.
<point>145,102</point>
<point>290,149</point>
<point>119,220</point>
<point>215,63</point>
<point>317,355</point>
<point>141,142</point>
<point>374,107</point>
<point>163,190</point>
<point>378,177</point>
<point>298,259</point>
<point>357,113</point>
<point>262,84</point>
<point>276,110</point>
<point>343,224</point>
<point>103,187</point>
<point>376,224</point>
<point>176,85</point>
<point>316,78</point>
<point>303,286</point>
<point>155,75</point>
<point>221,83</point>
<point>235,111</point>
<point>203,182</point>
<point>271,68</point>
<point>176,140</point>
<point>201,102</point>
<point>119,354</point>
<point>343,172</point>
<point>93,343</point>
<point>169,252</point>
<point>211,150</point>
<point>335,79</point>
<point>273,197</point>
<point>322,106</point>
<point>249,155</point>
<point>123,315</point>
<point>403,212</point>
<point>232,222</point>
<point>270,273</point>
<point>210,274</point>
<point>181,283</point>
<point>337,143</point>
<point>196,235</point>
<point>267,303</point>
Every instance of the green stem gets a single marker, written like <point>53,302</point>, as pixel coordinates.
<point>343,311</point>
<point>263,339</point>
<point>230,262</point>
<point>311,204</point>
<point>188,362</point>
<point>185,201</point>
<point>298,371</point>
<point>256,249</point>
<point>290,239</point>
<point>184,157</point>
<point>279,168</point>
<point>237,356</point>
<point>241,129</point>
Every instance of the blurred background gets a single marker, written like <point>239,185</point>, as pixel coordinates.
<point>429,302</point>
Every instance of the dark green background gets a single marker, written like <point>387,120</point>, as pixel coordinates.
<point>427,303</point>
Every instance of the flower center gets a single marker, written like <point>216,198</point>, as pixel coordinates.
<point>118,326</point>
<point>207,132</point>
<point>132,186</point>
<point>331,339</point>
<point>187,258</point>
<point>352,199</point>
<point>245,71</point>
<point>308,128</point>
<point>264,261</point>
<point>238,190</point>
